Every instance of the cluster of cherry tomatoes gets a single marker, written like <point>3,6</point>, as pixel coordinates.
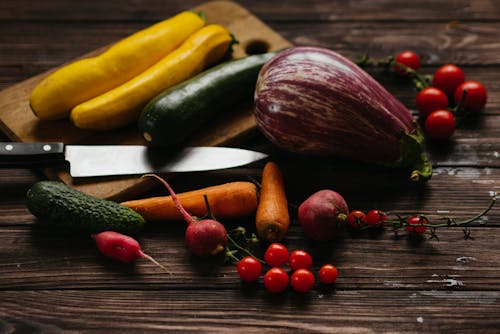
<point>449,96</point>
<point>357,219</point>
<point>277,279</point>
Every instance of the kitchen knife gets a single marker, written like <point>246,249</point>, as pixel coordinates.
<point>105,160</point>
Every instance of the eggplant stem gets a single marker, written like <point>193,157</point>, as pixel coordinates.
<point>413,155</point>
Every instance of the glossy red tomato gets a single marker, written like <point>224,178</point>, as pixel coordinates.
<point>476,96</point>
<point>328,274</point>
<point>448,78</point>
<point>356,219</point>
<point>300,259</point>
<point>302,280</point>
<point>417,225</point>
<point>249,269</point>
<point>407,58</point>
<point>276,280</point>
<point>440,124</point>
<point>430,99</point>
<point>276,255</point>
<point>375,218</point>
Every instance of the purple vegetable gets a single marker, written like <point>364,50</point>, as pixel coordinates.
<point>313,101</point>
<point>323,215</point>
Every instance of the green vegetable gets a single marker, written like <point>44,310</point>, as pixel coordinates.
<point>171,117</point>
<point>60,205</point>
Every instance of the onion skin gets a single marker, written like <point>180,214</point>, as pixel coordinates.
<point>313,101</point>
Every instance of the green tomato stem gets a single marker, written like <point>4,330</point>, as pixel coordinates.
<point>242,249</point>
<point>401,221</point>
<point>419,81</point>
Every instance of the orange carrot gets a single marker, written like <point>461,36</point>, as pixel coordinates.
<point>227,201</point>
<point>272,218</point>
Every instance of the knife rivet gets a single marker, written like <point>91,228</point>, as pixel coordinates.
<point>9,147</point>
<point>47,148</point>
<point>147,136</point>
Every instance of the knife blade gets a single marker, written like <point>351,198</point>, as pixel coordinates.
<point>107,160</point>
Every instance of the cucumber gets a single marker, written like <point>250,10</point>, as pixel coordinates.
<point>175,114</point>
<point>60,205</point>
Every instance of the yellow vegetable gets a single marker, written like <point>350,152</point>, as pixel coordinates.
<point>57,94</point>
<point>123,104</point>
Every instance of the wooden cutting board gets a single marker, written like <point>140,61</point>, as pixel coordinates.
<point>19,124</point>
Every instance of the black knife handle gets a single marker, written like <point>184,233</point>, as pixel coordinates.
<point>29,154</point>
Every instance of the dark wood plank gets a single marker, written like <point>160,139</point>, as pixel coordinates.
<point>34,257</point>
<point>289,10</point>
<point>116,311</point>
<point>435,42</point>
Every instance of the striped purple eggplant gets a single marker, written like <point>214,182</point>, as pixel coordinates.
<point>314,101</point>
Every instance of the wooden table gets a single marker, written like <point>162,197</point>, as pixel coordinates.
<point>52,282</point>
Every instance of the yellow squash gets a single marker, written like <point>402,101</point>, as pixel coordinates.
<point>122,105</point>
<point>57,94</point>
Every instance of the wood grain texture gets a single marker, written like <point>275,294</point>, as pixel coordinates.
<point>51,259</point>
<point>124,310</point>
<point>56,282</point>
<point>287,10</point>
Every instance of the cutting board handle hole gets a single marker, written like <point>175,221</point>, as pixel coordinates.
<point>256,46</point>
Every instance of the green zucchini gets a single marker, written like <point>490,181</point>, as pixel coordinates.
<point>172,116</point>
<point>60,205</point>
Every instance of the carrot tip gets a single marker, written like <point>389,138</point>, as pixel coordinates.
<point>272,233</point>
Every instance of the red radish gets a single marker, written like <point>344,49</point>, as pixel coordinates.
<point>323,215</point>
<point>204,237</point>
<point>121,247</point>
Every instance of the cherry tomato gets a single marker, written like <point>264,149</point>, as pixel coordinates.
<point>328,274</point>
<point>476,96</point>
<point>302,280</point>
<point>448,78</point>
<point>407,58</point>
<point>430,99</point>
<point>440,124</point>
<point>375,218</point>
<point>416,225</point>
<point>276,280</point>
<point>249,269</point>
<point>276,255</point>
<point>356,219</point>
<point>300,259</point>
